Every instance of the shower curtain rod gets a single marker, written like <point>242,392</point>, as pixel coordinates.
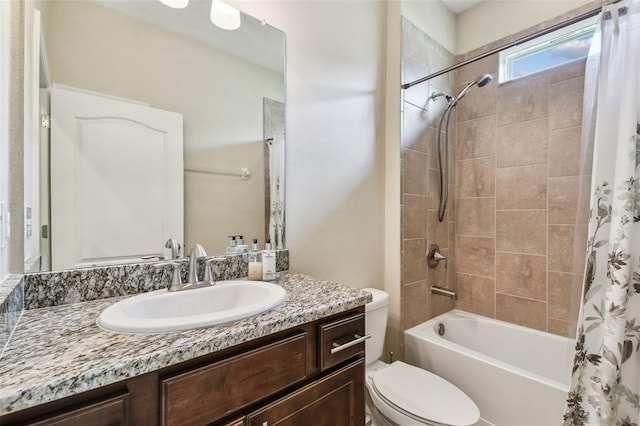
<point>521,40</point>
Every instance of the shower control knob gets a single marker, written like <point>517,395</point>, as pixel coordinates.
<point>434,257</point>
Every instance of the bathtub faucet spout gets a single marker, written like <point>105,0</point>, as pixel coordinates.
<point>436,289</point>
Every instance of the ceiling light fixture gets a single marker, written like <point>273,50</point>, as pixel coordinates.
<point>176,4</point>
<point>224,16</point>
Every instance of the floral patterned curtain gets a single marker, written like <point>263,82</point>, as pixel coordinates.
<point>605,387</point>
<point>276,182</point>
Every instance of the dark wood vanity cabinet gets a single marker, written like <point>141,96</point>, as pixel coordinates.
<point>288,378</point>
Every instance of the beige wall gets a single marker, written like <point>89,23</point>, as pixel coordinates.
<point>219,95</point>
<point>491,20</point>
<point>12,131</point>
<point>5,55</point>
<point>335,128</point>
<point>433,18</point>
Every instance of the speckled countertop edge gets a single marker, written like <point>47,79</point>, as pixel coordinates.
<point>60,351</point>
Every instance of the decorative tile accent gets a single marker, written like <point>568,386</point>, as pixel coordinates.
<point>60,351</point>
<point>11,308</point>
<point>48,289</point>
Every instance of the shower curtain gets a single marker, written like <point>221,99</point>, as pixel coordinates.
<point>605,386</point>
<point>276,183</point>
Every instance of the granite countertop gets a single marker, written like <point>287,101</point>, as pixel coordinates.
<point>60,351</point>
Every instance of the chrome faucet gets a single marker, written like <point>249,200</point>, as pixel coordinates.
<point>174,245</point>
<point>196,252</point>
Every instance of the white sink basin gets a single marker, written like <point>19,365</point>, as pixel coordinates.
<point>162,311</point>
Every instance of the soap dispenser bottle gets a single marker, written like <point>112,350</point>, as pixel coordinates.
<point>268,263</point>
<point>255,262</point>
<point>241,247</point>
<point>231,248</point>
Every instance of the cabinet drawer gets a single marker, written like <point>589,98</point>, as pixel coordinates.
<point>206,394</point>
<point>110,412</point>
<point>344,337</point>
<point>334,400</point>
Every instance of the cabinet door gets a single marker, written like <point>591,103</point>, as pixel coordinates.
<point>335,400</point>
<point>111,412</point>
<point>206,394</point>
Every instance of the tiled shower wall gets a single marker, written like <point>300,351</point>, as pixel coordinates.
<point>421,55</point>
<point>514,166</point>
<point>517,188</point>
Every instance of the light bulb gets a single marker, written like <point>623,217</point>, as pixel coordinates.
<point>176,4</point>
<point>225,16</point>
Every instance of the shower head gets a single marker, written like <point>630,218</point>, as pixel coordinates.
<point>481,81</point>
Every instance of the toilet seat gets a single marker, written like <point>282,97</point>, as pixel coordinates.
<point>422,396</point>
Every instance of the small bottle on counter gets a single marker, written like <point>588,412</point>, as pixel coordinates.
<point>231,248</point>
<point>255,262</point>
<point>241,247</point>
<point>268,263</point>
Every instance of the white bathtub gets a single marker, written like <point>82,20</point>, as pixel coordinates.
<point>516,375</point>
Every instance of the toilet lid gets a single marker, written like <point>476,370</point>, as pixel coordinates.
<point>423,394</point>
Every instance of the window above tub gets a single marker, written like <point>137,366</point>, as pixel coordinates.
<point>551,50</point>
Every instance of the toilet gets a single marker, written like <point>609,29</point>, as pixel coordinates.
<point>403,395</point>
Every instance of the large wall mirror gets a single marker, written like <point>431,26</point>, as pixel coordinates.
<point>226,88</point>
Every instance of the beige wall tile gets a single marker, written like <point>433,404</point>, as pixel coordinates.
<point>565,103</point>
<point>412,69</point>
<point>439,305</point>
<point>415,304</point>
<point>564,151</point>
<point>476,294</point>
<point>523,100</point>
<point>560,294</point>
<point>568,71</point>
<point>452,240</point>
<point>477,138</point>
<point>521,275</point>
<point>561,327</point>
<point>440,274</point>
<point>475,255</point>
<point>452,165</point>
<point>517,310</point>
<point>433,185</point>
<point>522,187</point>
<point>414,172</point>
<point>414,265</point>
<point>432,149</point>
<point>416,133</point>
<point>488,65</point>
<point>476,178</point>
<point>476,217</point>
<point>523,144</point>
<point>479,101</point>
<point>414,216</point>
<point>561,248</point>
<point>521,231</point>
<point>438,232</point>
<point>563,199</point>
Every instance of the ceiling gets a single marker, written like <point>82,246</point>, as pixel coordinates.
<point>459,6</point>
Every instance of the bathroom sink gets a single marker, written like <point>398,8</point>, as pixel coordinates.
<point>162,311</point>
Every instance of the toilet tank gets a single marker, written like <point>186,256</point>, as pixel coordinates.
<point>375,323</point>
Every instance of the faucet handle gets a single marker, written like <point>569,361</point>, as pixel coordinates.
<point>175,247</point>
<point>208,271</point>
<point>176,279</point>
<point>434,257</point>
